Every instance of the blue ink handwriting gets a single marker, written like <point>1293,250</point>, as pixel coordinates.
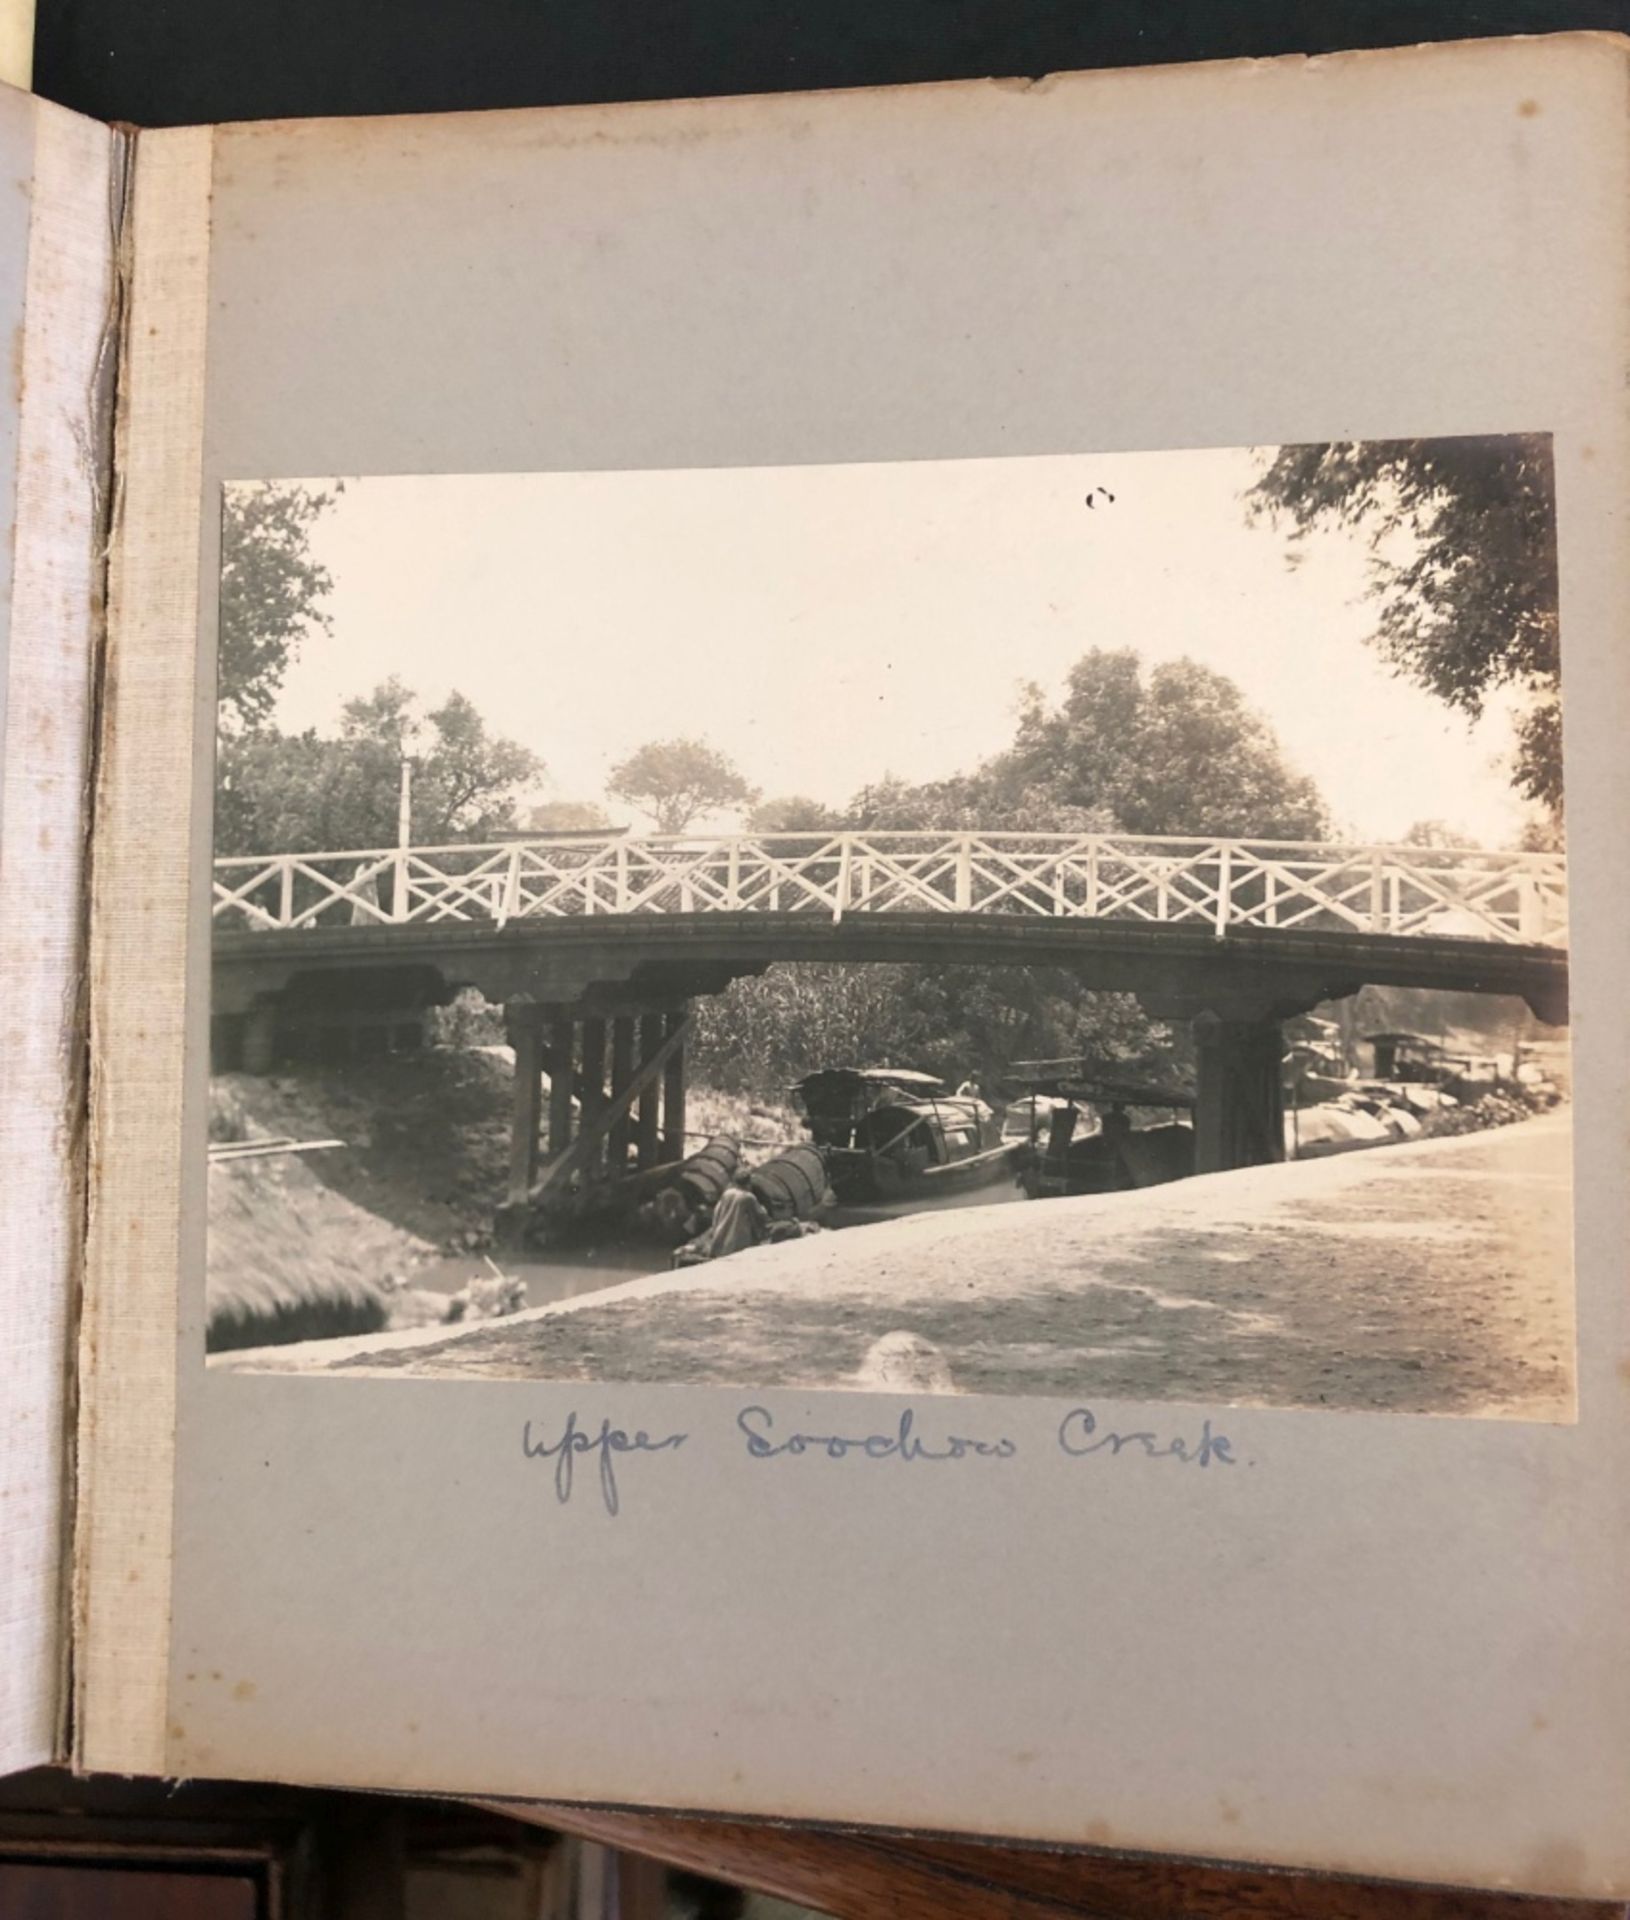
<point>1079,1435</point>
<point>757,1427</point>
<point>607,1443</point>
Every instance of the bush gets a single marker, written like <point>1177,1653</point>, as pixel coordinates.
<point>1507,1104</point>
<point>467,1021</point>
<point>228,1119</point>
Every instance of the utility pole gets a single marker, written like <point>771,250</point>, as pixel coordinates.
<point>404,837</point>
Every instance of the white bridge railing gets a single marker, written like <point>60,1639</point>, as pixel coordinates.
<point>1225,884</point>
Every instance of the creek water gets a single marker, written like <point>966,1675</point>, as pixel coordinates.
<point>563,1273</point>
<point>560,1274</point>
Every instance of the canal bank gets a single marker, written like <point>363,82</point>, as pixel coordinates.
<point>1433,1278</point>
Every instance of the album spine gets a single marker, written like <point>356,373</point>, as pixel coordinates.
<point>59,483</point>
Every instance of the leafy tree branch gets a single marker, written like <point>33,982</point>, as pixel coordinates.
<point>1462,542</point>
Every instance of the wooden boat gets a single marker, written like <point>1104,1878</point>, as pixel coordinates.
<point>889,1133</point>
<point>1081,1136</point>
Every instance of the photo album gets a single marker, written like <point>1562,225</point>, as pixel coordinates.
<point>814,940</point>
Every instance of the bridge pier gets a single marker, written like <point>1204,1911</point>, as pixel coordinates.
<point>258,1047</point>
<point>1239,1110</point>
<point>326,1016</point>
<point>596,1125</point>
<point>1239,1052</point>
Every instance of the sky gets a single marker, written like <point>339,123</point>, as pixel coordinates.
<point>827,625</point>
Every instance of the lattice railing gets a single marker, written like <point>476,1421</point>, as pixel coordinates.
<point>1226,884</point>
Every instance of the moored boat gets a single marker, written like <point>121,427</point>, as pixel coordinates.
<point>1085,1133</point>
<point>890,1133</point>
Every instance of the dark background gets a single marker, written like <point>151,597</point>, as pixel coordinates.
<point>167,62</point>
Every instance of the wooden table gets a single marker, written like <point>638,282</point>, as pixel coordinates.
<point>315,1855</point>
<point>867,1875</point>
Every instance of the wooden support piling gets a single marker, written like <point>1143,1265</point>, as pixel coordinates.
<point>622,1072</point>
<point>524,1111</point>
<point>673,1093</point>
<point>647,1135</point>
<point>581,1154</point>
<point>592,1099</point>
<point>562,1068</point>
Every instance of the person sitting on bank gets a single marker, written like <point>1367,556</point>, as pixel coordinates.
<point>739,1220</point>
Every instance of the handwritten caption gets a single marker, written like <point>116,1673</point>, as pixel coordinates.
<point>912,1441</point>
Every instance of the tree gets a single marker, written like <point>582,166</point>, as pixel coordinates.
<point>1177,753</point>
<point>285,793</point>
<point>892,805</point>
<point>1542,833</point>
<point>1462,542</point>
<point>674,781</point>
<point>794,813</point>
<point>1436,833</point>
<point>305,793</point>
<point>986,798</point>
<point>271,590</point>
<point>986,1018</point>
<point>465,781</point>
<point>567,816</point>
<point>763,1033</point>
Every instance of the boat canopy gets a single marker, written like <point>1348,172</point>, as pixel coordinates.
<point>901,1079</point>
<point>1111,1093</point>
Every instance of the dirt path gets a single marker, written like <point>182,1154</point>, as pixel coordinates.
<point>1434,1277</point>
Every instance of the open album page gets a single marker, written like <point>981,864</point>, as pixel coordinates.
<point>859,954</point>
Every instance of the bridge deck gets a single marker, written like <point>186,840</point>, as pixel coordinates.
<point>674,955</point>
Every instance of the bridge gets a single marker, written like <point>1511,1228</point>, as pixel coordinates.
<point>584,936</point>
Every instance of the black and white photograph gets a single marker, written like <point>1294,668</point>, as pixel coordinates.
<point>1083,924</point>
